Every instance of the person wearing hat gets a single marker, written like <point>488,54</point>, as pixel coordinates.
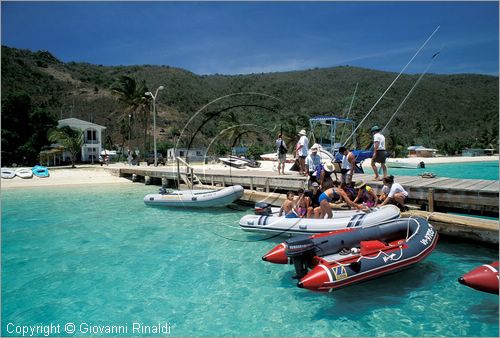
<point>313,161</point>
<point>365,194</point>
<point>348,165</point>
<point>314,209</point>
<point>302,151</point>
<point>325,179</point>
<point>378,152</point>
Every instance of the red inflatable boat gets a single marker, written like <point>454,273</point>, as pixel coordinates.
<point>341,258</point>
<point>483,278</point>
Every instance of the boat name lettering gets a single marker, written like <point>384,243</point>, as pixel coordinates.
<point>428,237</point>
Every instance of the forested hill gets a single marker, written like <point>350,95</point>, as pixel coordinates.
<point>448,112</point>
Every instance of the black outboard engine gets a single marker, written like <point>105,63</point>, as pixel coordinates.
<point>301,251</point>
<point>421,164</point>
<point>262,209</point>
<point>162,191</point>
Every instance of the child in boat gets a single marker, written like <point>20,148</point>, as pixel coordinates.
<point>287,206</point>
<point>303,203</point>
<point>395,193</point>
<point>329,196</point>
<point>365,194</point>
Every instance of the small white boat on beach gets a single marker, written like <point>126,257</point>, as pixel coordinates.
<point>196,198</point>
<point>24,173</point>
<point>397,163</point>
<point>8,173</point>
<point>341,219</point>
<point>233,162</point>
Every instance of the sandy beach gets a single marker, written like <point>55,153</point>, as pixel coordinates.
<point>85,174</point>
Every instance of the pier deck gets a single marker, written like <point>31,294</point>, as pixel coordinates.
<point>432,193</point>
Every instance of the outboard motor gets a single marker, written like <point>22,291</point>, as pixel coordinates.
<point>301,251</point>
<point>162,191</point>
<point>262,209</point>
<point>421,164</point>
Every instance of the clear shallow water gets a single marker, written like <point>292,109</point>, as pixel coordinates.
<point>473,170</point>
<point>97,254</point>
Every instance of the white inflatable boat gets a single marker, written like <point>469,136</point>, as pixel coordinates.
<point>24,173</point>
<point>196,198</point>
<point>340,220</point>
<point>8,173</point>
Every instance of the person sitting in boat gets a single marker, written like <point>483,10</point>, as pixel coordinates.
<point>302,204</point>
<point>314,210</point>
<point>394,193</point>
<point>329,196</point>
<point>313,162</point>
<point>287,206</point>
<point>365,194</point>
<point>348,165</point>
<point>325,177</point>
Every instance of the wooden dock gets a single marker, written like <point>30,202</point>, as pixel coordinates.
<point>432,194</point>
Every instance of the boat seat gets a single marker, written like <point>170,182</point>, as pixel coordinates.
<point>368,247</point>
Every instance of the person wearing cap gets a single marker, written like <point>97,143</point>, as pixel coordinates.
<point>314,209</point>
<point>365,194</point>
<point>302,151</point>
<point>378,152</point>
<point>348,165</point>
<point>313,161</point>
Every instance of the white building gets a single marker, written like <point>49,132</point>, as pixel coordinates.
<point>92,137</point>
<point>193,155</point>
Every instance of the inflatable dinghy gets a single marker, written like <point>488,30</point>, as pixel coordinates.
<point>195,198</point>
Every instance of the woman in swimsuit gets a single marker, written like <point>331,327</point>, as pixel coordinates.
<point>329,196</point>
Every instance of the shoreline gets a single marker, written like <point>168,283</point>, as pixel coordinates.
<point>96,174</point>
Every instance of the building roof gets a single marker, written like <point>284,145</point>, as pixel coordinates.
<point>80,124</point>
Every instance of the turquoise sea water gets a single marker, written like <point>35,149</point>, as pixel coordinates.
<point>98,255</point>
<point>473,170</point>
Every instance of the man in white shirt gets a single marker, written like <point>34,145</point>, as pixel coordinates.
<point>313,160</point>
<point>303,151</point>
<point>394,193</point>
<point>348,165</point>
<point>378,152</point>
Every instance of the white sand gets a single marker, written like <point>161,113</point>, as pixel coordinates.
<point>66,176</point>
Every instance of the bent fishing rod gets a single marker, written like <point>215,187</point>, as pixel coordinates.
<point>392,83</point>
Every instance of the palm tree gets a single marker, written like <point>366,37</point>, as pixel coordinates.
<point>132,94</point>
<point>70,139</point>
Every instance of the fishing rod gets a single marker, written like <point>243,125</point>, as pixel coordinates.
<point>411,90</point>
<point>349,111</point>
<point>392,83</point>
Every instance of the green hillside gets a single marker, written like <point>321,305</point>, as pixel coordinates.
<point>448,112</point>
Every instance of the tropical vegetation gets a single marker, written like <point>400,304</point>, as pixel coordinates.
<point>447,112</point>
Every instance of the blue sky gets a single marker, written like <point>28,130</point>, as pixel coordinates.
<point>254,37</point>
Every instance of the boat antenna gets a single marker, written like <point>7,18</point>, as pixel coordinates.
<point>411,90</point>
<point>392,83</point>
<point>349,111</point>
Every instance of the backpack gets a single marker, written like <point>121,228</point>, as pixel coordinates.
<point>282,149</point>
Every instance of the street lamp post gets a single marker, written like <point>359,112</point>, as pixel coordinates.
<point>154,120</point>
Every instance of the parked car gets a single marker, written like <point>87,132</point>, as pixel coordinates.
<point>150,158</point>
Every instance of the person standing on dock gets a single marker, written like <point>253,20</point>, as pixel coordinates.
<point>302,152</point>
<point>281,151</point>
<point>378,152</point>
<point>348,165</point>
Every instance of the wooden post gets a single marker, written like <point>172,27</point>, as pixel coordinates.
<point>430,199</point>
<point>192,178</point>
<point>267,184</point>
<point>251,183</point>
<point>212,180</point>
